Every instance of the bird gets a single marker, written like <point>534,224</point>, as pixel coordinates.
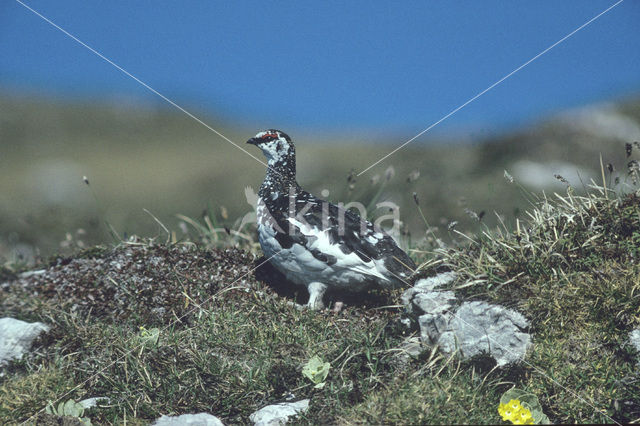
<point>315,243</point>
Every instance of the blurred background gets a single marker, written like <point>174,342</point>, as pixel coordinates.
<point>349,82</point>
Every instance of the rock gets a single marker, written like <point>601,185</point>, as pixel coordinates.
<point>410,348</point>
<point>634,339</point>
<point>474,328</point>
<point>424,298</point>
<point>278,414</point>
<point>478,327</point>
<point>28,274</point>
<point>200,419</point>
<point>432,326</point>
<point>92,402</point>
<point>16,337</point>
<point>435,302</point>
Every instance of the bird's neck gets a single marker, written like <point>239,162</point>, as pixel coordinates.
<point>281,176</point>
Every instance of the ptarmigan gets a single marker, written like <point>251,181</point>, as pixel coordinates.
<point>315,243</point>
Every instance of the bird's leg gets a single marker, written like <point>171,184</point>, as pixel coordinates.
<point>316,292</point>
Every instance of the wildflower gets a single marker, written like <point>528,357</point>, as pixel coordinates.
<point>515,413</point>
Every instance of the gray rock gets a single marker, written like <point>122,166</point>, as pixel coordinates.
<point>634,339</point>
<point>16,337</point>
<point>411,347</point>
<point>424,298</point>
<point>278,414</point>
<point>200,419</point>
<point>474,328</point>
<point>432,326</point>
<point>28,274</point>
<point>478,327</point>
<point>435,302</point>
<point>92,402</point>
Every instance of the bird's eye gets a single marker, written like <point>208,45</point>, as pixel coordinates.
<point>279,146</point>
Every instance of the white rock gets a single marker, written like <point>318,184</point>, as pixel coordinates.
<point>16,337</point>
<point>432,326</point>
<point>434,302</point>
<point>92,402</point>
<point>634,339</point>
<point>278,414</point>
<point>478,327</point>
<point>424,298</point>
<point>410,348</point>
<point>200,419</point>
<point>28,274</point>
<point>474,328</point>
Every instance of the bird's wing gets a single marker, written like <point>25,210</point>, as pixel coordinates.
<point>331,233</point>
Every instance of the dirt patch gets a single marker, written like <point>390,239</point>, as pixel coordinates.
<point>152,283</point>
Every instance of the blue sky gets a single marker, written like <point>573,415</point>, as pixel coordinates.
<point>359,65</point>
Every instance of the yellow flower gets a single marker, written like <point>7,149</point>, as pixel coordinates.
<point>515,413</point>
<point>524,417</point>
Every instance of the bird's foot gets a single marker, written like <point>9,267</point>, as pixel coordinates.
<point>316,293</point>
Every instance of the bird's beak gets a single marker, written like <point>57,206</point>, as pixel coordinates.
<point>253,141</point>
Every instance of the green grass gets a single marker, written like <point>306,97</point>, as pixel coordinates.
<point>229,345</point>
<point>157,159</point>
<point>571,269</point>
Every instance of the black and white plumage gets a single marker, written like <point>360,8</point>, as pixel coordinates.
<point>315,243</point>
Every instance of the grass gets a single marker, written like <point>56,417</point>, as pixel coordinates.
<point>229,344</point>
<point>571,268</point>
<point>152,158</point>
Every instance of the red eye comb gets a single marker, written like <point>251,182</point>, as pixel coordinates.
<point>269,135</point>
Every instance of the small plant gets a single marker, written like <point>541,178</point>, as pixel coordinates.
<point>521,408</point>
<point>149,337</point>
<point>68,409</point>
<point>317,371</point>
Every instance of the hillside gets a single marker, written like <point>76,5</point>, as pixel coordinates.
<point>170,312</point>
<point>139,157</point>
<point>188,328</point>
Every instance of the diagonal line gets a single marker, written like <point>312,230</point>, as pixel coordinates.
<point>538,370</point>
<point>493,85</point>
<point>127,353</point>
<point>145,85</point>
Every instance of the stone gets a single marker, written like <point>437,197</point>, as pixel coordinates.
<point>432,326</point>
<point>16,337</point>
<point>474,328</point>
<point>200,419</point>
<point>634,339</point>
<point>410,348</point>
<point>93,402</point>
<point>479,327</point>
<point>278,414</point>
<point>424,297</point>
<point>435,302</point>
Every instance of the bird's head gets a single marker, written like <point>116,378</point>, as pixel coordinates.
<point>275,145</point>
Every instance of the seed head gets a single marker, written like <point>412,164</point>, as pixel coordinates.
<point>414,175</point>
<point>508,177</point>
<point>561,179</point>
<point>389,173</point>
